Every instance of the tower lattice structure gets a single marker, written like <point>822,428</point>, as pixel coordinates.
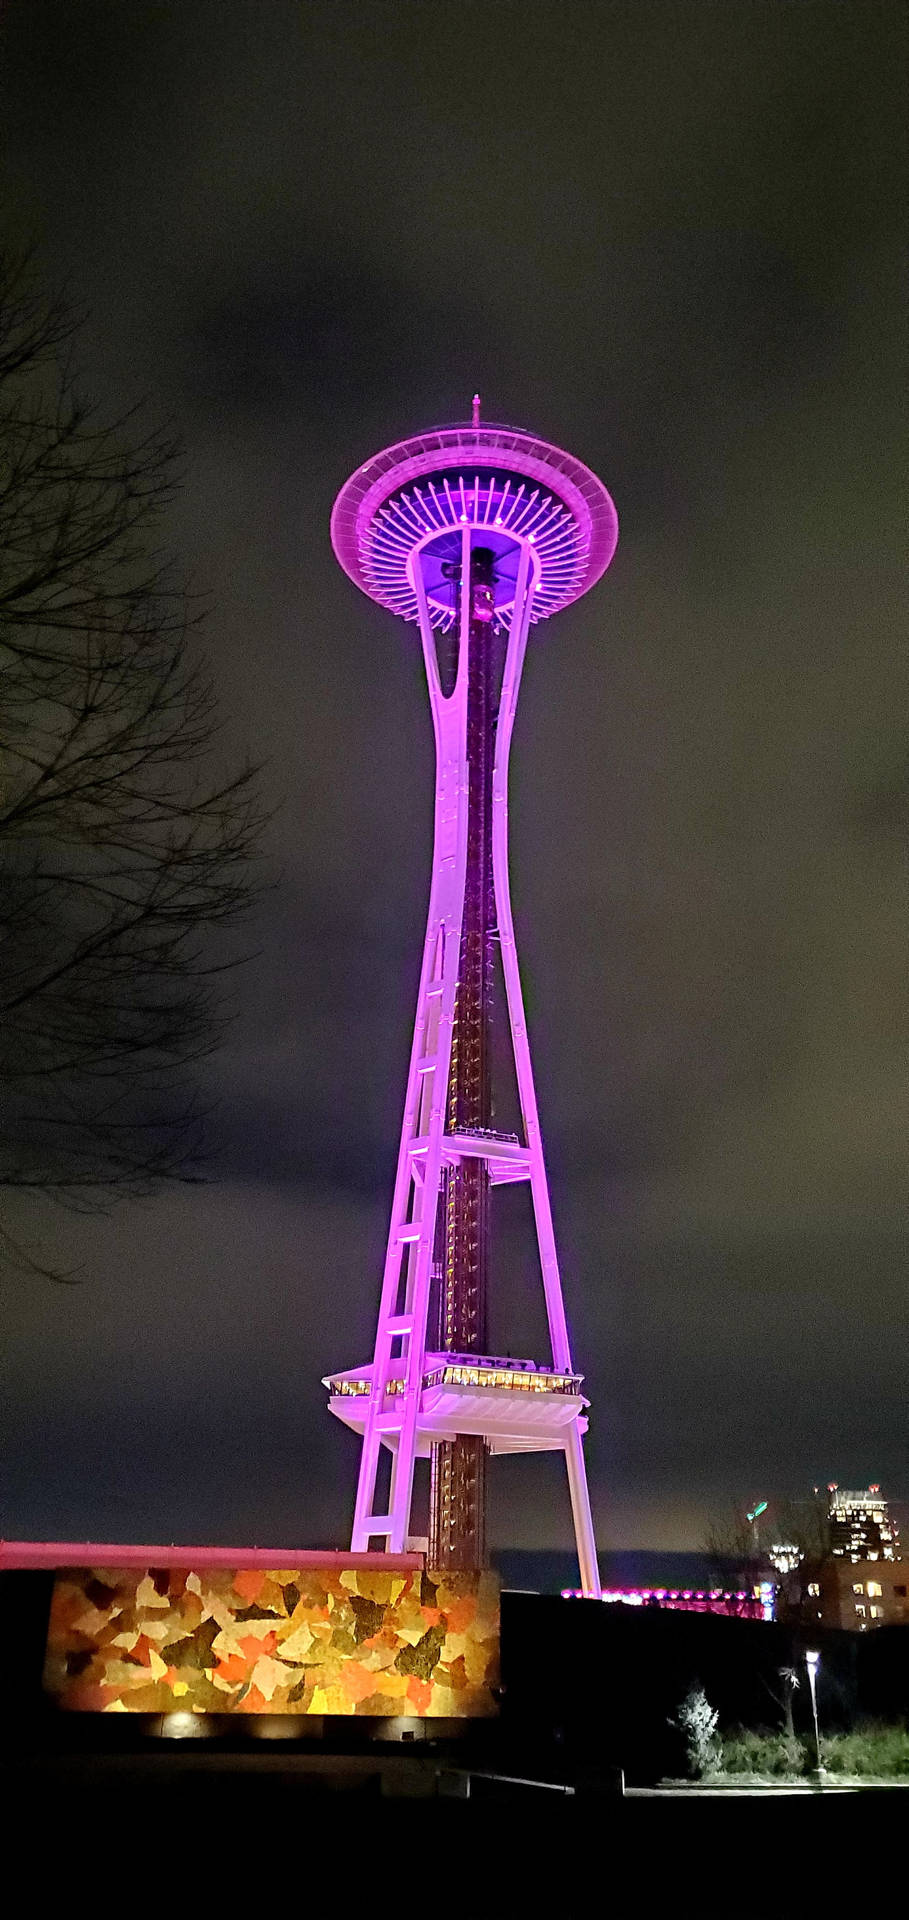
<point>475,533</point>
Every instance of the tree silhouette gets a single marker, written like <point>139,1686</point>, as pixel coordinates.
<point>123,849</point>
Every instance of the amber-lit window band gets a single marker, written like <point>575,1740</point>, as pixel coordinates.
<point>467,1376</point>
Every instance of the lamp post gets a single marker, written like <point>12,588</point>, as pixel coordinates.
<point>812,1662</point>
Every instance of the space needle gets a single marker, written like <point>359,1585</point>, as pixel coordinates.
<point>475,533</point>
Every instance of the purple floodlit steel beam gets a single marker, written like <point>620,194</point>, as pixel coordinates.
<point>474,532</point>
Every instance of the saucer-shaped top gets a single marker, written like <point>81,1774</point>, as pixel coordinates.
<point>506,485</point>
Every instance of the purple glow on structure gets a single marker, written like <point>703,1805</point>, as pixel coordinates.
<point>474,533</point>
<point>544,483</point>
<point>740,1604</point>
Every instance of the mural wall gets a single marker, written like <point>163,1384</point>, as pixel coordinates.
<point>255,1640</point>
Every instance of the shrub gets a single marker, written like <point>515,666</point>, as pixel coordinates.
<point>769,1756</point>
<point>697,1721</point>
<point>875,1750</point>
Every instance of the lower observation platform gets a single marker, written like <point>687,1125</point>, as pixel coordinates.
<point>517,1406</point>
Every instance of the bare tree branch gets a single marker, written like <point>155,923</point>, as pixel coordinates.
<point>124,848</point>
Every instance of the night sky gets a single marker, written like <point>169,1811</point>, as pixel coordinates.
<point>666,236</point>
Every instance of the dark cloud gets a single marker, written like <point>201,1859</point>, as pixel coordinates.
<point>323,328</point>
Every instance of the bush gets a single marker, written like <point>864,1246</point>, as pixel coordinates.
<point>876,1751</point>
<point>769,1756</point>
<point>873,1751</point>
<point>697,1722</point>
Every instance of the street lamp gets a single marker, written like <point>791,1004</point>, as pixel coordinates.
<point>812,1662</point>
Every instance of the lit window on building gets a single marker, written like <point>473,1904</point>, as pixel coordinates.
<point>860,1524</point>
<point>813,1589</point>
<point>874,1589</point>
<point>877,1613</point>
<point>858,1588</point>
<point>860,1610</point>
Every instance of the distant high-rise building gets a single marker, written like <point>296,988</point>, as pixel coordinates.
<point>854,1593</point>
<point>861,1581</point>
<point>860,1525</point>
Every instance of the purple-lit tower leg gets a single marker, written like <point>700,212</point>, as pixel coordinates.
<point>474,532</point>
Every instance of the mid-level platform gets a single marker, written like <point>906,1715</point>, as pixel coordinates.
<point>518,1406</point>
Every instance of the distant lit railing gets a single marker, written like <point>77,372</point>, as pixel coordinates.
<point>521,1377</point>
<point>361,1389</point>
<point>516,1382</point>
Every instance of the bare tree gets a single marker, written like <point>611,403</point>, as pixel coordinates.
<point>735,1550</point>
<point>122,848</point>
<point>806,1521</point>
<point>741,1545</point>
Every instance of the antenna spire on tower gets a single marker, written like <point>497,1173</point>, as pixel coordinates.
<point>476,410</point>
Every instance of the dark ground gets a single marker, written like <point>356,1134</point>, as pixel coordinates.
<point>545,1825</point>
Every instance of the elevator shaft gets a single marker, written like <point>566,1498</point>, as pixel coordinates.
<point>457,1524</point>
